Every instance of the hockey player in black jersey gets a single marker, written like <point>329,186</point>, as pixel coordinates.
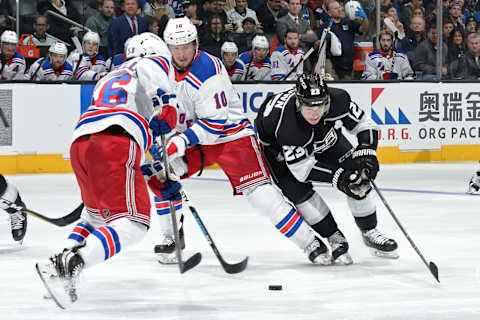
<point>301,137</point>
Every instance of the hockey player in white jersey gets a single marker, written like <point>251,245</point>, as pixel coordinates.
<point>109,144</point>
<point>12,63</point>
<point>387,63</point>
<point>213,129</point>
<point>12,203</point>
<point>54,68</point>
<point>258,65</point>
<point>285,58</point>
<point>90,65</point>
<point>235,66</point>
<point>474,183</point>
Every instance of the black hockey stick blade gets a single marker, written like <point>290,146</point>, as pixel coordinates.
<point>191,262</point>
<point>235,267</point>
<point>434,270</point>
<point>60,222</point>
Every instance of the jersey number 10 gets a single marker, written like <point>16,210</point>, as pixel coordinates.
<point>222,99</point>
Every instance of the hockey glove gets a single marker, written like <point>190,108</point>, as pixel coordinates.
<point>364,159</point>
<point>176,146</point>
<point>390,76</point>
<point>165,189</point>
<point>164,122</point>
<point>352,183</point>
<point>360,13</point>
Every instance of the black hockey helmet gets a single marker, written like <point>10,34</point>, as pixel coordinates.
<point>312,91</point>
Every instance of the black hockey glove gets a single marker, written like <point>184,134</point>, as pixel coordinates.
<point>364,159</point>
<point>352,183</point>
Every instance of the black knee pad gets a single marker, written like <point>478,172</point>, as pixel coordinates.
<point>368,222</point>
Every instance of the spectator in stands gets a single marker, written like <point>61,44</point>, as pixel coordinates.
<point>307,14</point>
<point>293,20</point>
<point>190,10</point>
<point>5,5</point>
<point>39,36</point>
<point>12,63</point>
<point>268,13</point>
<point>156,8</point>
<point>407,8</point>
<point>237,14</point>
<point>153,26</point>
<point>206,10</point>
<point>424,57</point>
<point>212,40</point>
<point>5,23</point>
<point>177,6</point>
<point>286,57</point>
<point>219,9</point>
<point>341,67</point>
<point>54,68</point>
<point>455,14</point>
<point>456,46</point>
<point>125,26</point>
<point>419,12</point>
<point>258,65</point>
<point>234,66</point>
<point>100,21</point>
<point>392,15</point>
<point>468,67</point>
<point>471,25</point>
<point>63,30</point>
<point>387,63</point>
<point>415,34</point>
<point>447,30</point>
<point>244,40</point>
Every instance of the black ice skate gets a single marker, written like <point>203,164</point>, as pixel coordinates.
<point>318,252</point>
<point>339,248</point>
<point>18,222</point>
<point>474,183</point>
<point>61,275</point>
<point>166,249</point>
<point>380,245</point>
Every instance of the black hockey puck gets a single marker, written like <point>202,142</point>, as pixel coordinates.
<point>275,287</point>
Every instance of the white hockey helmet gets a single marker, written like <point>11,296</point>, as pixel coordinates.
<point>228,46</point>
<point>9,36</point>
<point>91,36</point>
<point>145,44</point>
<point>350,8</point>
<point>180,31</point>
<point>260,42</point>
<point>58,48</point>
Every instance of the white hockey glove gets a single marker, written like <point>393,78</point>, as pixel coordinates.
<point>335,45</point>
<point>176,146</point>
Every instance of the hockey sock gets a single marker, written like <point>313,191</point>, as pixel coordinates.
<point>81,231</point>
<point>318,215</point>
<point>107,241</point>
<point>163,211</point>
<point>326,227</point>
<point>366,223</point>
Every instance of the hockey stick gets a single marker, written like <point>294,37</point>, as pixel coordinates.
<point>79,48</point>
<point>32,77</point>
<point>60,222</point>
<point>430,265</point>
<point>197,257</point>
<point>305,57</point>
<point>228,267</point>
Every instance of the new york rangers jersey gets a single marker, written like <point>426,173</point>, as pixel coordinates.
<point>256,70</point>
<point>89,68</point>
<point>46,72</point>
<point>284,60</point>
<point>209,108</point>
<point>126,97</point>
<point>237,72</point>
<point>117,60</point>
<point>13,69</point>
<point>377,64</point>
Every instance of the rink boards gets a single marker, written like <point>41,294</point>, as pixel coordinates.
<point>418,122</point>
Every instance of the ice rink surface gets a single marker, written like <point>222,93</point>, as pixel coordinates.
<point>429,200</point>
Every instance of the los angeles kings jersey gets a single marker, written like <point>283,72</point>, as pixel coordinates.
<point>304,149</point>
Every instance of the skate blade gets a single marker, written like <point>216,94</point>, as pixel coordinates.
<point>167,258</point>
<point>55,288</point>
<point>384,254</point>
<point>323,259</point>
<point>345,259</point>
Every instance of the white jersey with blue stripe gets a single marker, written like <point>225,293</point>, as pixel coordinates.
<point>14,69</point>
<point>237,72</point>
<point>127,96</point>
<point>210,111</point>
<point>47,73</point>
<point>284,60</point>
<point>256,70</point>
<point>89,68</point>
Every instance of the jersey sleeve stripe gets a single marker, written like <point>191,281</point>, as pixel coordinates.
<point>161,62</point>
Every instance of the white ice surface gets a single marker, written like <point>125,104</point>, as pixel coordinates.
<point>428,199</point>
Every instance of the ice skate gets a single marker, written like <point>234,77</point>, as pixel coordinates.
<point>339,248</point>
<point>18,222</point>
<point>61,275</point>
<point>318,252</point>
<point>474,184</point>
<point>166,249</point>
<point>380,245</point>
